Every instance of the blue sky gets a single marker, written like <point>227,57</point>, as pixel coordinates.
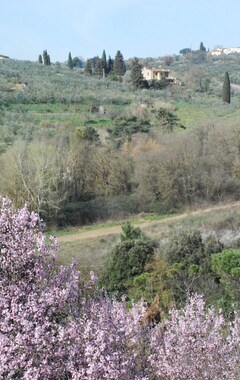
<point>141,28</point>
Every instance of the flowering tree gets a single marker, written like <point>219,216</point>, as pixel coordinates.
<point>51,328</point>
<point>192,344</point>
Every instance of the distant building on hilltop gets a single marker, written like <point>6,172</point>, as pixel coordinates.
<point>224,51</point>
<point>3,56</point>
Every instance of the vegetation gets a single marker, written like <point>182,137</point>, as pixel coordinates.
<point>127,259</point>
<point>226,89</point>
<point>70,61</point>
<point>119,66</point>
<point>87,145</point>
<point>70,323</point>
<point>136,74</point>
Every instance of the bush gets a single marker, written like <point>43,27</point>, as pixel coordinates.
<point>127,259</point>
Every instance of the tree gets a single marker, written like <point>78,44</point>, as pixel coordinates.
<point>136,74</point>
<point>51,327</point>
<point>88,68</point>
<point>202,48</point>
<point>70,61</point>
<point>98,70</point>
<point>226,94</point>
<point>227,265</point>
<point>110,64</point>
<point>40,60</point>
<point>127,259</point>
<point>192,345</point>
<point>33,173</point>
<point>185,51</point>
<point>77,62</point>
<point>46,58</point>
<point>104,62</point>
<point>88,133</point>
<point>119,65</point>
<point>168,59</point>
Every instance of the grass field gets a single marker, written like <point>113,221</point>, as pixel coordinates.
<point>90,253</point>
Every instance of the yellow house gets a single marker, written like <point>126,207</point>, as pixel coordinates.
<point>155,74</point>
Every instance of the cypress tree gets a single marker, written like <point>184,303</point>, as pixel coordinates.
<point>104,62</point>
<point>136,75</point>
<point>202,47</point>
<point>46,58</point>
<point>119,65</point>
<point>40,60</point>
<point>70,61</point>
<point>110,64</point>
<point>226,89</point>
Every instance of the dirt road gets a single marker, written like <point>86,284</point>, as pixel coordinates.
<point>115,230</point>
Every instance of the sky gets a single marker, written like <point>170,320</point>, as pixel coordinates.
<point>138,28</point>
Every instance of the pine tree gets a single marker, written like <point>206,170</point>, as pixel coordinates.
<point>88,68</point>
<point>70,61</point>
<point>136,74</point>
<point>40,60</point>
<point>119,65</point>
<point>226,89</point>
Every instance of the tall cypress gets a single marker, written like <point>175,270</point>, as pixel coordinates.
<point>70,61</point>
<point>226,89</point>
<point>104,62</point>
<point>119,65</point>
<point>46,58</point>
<point>110,64</point>
<point>40,59</point>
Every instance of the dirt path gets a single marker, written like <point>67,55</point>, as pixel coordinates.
<point>117,229</point>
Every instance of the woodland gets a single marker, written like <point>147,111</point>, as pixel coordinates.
<point>83,144</point>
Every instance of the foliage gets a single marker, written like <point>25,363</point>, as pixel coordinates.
<point>127,259</point>
<point>137,79</point>
<point>226,89</point>
<point>168,119</point>
<point>104,62</point>
<point>70,61</point>
<point>88,68</point>
<point>191,344</point>
<point>227,265</point>
<point>202,47</point>
<point>119,66</point>
<point>125,126</point>
<point>189,265</point>
<point>77,62</point>
<point>185,51</point>
<point>46,58</point>
<point>88,133</point>
<point>98,68</point>
<point>54,325</point>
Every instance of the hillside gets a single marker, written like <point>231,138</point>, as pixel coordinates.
<point>81,149</point>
